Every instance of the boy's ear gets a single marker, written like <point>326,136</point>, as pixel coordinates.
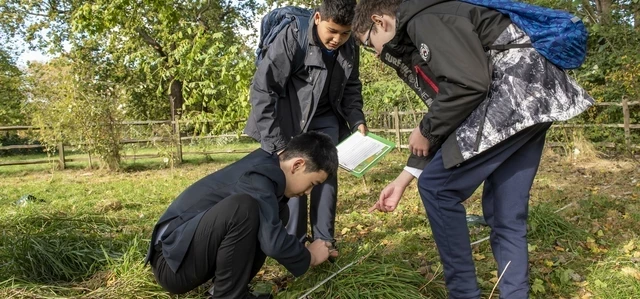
<point>376,18</point>
<point>297,165</point>
<point>317,18</point>
<point>379,20</point>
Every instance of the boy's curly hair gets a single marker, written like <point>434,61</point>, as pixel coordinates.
<point>339,11</point>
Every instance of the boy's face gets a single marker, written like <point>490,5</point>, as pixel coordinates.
<point>299,181</point>
<point>332,35</point>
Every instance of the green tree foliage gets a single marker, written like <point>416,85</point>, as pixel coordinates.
<point>190,52</point>
<point>12,94</point>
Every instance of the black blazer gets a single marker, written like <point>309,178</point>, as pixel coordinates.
<point>258,174</point>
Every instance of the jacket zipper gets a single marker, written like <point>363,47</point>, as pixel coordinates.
<point>476,146</point>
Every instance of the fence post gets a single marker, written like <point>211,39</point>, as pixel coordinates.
<point>627,122</point>
<point>61,155</point>
<point>176,128</point>
<point>396,124</point>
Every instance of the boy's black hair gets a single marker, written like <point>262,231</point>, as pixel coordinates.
<point>339,11</point>
<point>366,8</point>
<point>316,149</point>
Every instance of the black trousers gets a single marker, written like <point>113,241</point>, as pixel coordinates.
<point>225,248</point>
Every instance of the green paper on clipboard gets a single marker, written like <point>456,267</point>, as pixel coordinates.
<point>358,153</point>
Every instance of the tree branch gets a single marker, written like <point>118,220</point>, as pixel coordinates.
<point>34,14</point>
<point>200,13</point>
<point>53,7</point>
<point>592,14</point>
<point>151,42</point>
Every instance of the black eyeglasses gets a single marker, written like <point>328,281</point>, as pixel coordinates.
<point>366,45</point>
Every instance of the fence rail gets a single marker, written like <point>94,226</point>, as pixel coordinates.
<point>395,124</point>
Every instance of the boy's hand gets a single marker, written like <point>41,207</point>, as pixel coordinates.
<point>418,144</point>
<point>391,194</point>
<point>320,251</point>
<point>389,198</point>
<point>363,129</point>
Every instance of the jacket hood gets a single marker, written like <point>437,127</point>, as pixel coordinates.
<point>407,10</point>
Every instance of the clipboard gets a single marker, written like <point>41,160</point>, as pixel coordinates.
<point>357,153</point>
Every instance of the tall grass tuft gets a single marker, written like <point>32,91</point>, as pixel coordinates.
<point>41,247</point>
<point>373,277</point>
<point>548,227</point>
<point>126,276</point>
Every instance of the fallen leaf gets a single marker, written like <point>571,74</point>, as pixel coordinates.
<point>586,296</point>
<point>478,256</point>
<point>630,246</point>
<point>631,272</point>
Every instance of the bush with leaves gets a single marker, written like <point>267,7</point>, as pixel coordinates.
<point>69,109</point>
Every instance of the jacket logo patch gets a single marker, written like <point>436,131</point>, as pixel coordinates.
<point>425,53</point>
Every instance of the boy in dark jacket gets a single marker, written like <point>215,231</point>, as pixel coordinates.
<point>313,87</point>
<point>223,226</point>
<point>488,115</point>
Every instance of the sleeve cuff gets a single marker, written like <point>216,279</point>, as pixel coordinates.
<point>306,260</point>
<point>415,172</point>
<point>354,128</point>
<point>273,145</point>
<point>433,140</point>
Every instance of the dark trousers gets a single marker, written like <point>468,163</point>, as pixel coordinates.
<point>507,170</point>
<point>225,247</point>
<point>324,197</point>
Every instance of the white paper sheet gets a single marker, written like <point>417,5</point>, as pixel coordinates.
<point>356,149</point>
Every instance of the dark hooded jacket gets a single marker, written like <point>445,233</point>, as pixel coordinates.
<point>289,82</point>
<point>477,97</point>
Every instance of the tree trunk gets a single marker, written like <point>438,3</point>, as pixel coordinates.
<point>175,97</point>
<point>604,10</point>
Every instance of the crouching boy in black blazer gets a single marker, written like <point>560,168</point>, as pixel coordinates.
<point>225,225</point>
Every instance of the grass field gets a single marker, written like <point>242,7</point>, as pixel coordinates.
<point>88,236</point>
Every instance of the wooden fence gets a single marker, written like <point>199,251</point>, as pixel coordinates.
<point>391,125</point>
<point>395,125</point>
